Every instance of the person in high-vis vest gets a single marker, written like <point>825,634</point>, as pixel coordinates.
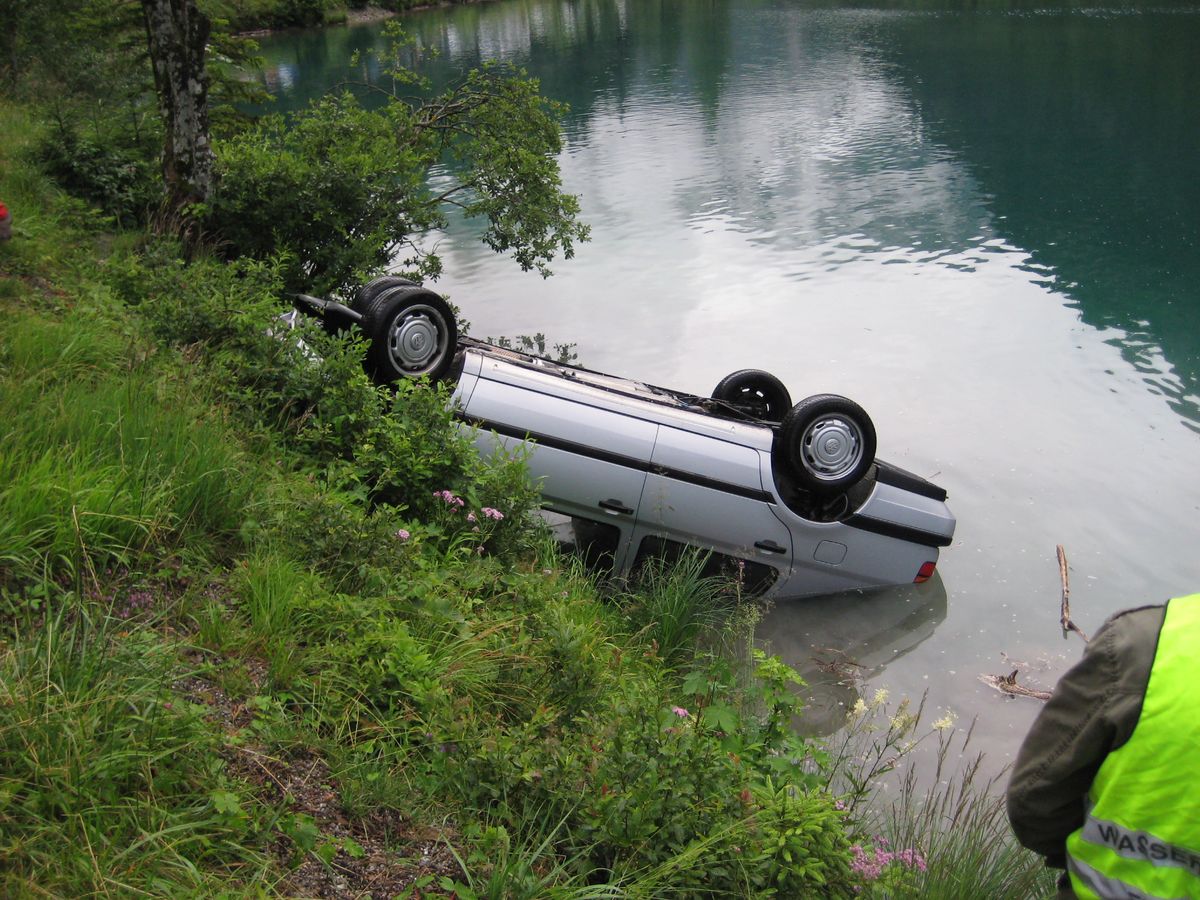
<point>1107,782</point>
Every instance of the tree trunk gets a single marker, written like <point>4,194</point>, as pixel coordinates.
<point>177,33</point>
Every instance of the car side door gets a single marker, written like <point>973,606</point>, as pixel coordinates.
<point>707,493</point>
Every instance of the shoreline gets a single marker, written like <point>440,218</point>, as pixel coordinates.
<point>366,16</point>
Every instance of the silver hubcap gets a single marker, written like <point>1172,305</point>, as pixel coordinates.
<point>415,342</point>
<point>832,447</point>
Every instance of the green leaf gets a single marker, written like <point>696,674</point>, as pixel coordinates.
<point>697,682</point>
<point>721,717</point>
<point>225,803</point>
<point>326,851</point>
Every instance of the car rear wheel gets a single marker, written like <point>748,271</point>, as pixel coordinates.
<point>372,289</point>
<point>828,443</point>
<point>757,393</point>
<point>412,332</point>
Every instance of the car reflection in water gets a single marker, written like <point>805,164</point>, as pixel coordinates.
<point>839,641</point>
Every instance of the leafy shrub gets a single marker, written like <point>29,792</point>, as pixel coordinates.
<point>245,15</point>
<point>384,447</point>
<point>355,549</point>
<point>331,188</point>
<point>709,798</point>
<point>121,179</point>
<point>338,190</point>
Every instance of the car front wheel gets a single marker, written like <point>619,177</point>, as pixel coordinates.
<point>828,442</point>
<point>412,332</point>
<point>372,289</point>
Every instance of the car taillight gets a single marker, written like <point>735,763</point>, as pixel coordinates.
<point>925,572</point>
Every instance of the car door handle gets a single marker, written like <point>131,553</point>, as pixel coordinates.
<point>770,547</point>
<point>616,506</point>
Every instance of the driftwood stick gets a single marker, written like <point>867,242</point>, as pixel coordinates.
<point>1065,617</point>
<point>1007,684</point>
<point>1066,589</point>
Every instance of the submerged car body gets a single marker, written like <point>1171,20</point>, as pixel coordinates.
<point>643,472</point>
<point>791,505</point>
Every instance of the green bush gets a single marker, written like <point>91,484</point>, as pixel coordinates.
<point>711,799</point>
<point>331,188</point>
<point>119,177</point>
<point>384,447</point>
<point>340,191</point>
<point>247,15</point>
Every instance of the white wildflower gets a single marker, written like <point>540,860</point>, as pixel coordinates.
<point>945,722</point>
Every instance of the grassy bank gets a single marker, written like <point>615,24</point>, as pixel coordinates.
<point>266,629</point>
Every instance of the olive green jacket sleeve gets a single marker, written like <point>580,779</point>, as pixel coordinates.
<point>1092,712</point>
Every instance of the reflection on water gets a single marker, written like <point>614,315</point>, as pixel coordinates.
<point>1081,128</point>
<point>839,642</point>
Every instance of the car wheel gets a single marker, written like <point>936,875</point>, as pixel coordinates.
<point>828,443</point>
<point>372,289</point>
<point>412,332</point>
<point>758,393</point>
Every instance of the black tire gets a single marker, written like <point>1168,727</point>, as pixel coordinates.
<point>412,332</point>
<point>827,443</point>
<point>759,394</point>
<point>372,289</point>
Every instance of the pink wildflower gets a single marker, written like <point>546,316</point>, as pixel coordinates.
<point>869,864</point>
<point>404,534</point>
<point>680,711</point>
<point>492,513</point>
<point>471,517</point>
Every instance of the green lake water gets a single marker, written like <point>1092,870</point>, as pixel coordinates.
<point>981,220</point>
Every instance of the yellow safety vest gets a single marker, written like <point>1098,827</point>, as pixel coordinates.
<point>1140,838</point>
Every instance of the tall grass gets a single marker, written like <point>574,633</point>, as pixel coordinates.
<point>100,465</point>
<point>674,604</point>
<point>105,776</point>
<point>953,816</point>
<point>961,826</point>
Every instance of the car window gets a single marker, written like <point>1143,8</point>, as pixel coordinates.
<point>756,577</point>
<point>596,543</point>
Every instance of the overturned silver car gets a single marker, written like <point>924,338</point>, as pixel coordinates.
<point>789,499</point>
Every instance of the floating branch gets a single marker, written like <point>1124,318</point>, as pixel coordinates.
<point>1007,684</point>
<point>1065,617</point>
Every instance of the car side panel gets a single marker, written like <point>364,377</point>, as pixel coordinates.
<point>563,421</point>
<point>708,494</point>
<point>835,556</point>
<point>869,560</point>
<point>590,463</point>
